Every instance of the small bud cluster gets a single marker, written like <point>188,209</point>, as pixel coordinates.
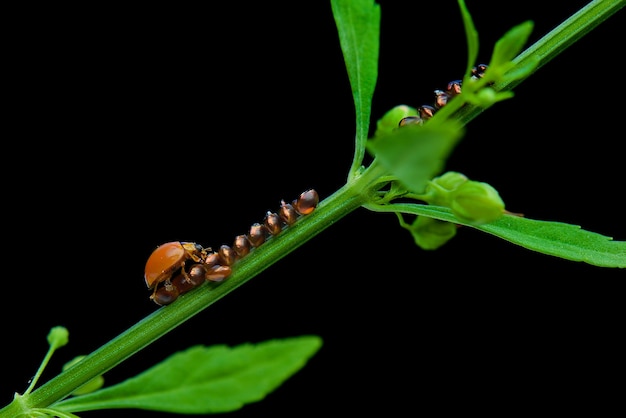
<point>471,201</point>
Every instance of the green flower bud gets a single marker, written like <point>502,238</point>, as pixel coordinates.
<point>91,386</point>
<point>440,188</point>
<point>476,203</point>
<point>389,122</point>
<point>430,234</point>
<point>450,180</point>
<point>485,97</point>
<point>58,337</point>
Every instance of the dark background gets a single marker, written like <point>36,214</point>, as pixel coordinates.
<point>137,126</point>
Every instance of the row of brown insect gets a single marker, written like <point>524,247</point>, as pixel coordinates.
<point>442,97</point>
<point>176,267</point>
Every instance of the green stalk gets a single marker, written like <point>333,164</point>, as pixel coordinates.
<point>345,200</point>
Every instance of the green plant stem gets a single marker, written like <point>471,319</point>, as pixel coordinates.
<point>39,372</point>
<point>552,44</point>
<point>345,200</point>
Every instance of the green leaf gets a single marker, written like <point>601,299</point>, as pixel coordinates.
<point>358,26</point>
<point>205,380</point>
<point>558,239</point>
<point>507,47</point>
<point>471,34</point>
<point>415,154</point>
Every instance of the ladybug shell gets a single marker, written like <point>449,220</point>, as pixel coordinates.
<point>165,260</point>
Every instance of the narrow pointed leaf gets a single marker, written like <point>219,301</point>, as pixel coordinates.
<point>358,26</point>
<point>204,380</point>
<point>511,44</point>
<point>471,35</point>
<point>558,239</point>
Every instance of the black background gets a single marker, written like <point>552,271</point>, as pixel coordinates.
<point>142,125</point>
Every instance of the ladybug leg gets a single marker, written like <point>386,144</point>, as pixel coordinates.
<point>197,258</point>
<point>154,292</point>
<point>184,272</point>
<point>195,275</point>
